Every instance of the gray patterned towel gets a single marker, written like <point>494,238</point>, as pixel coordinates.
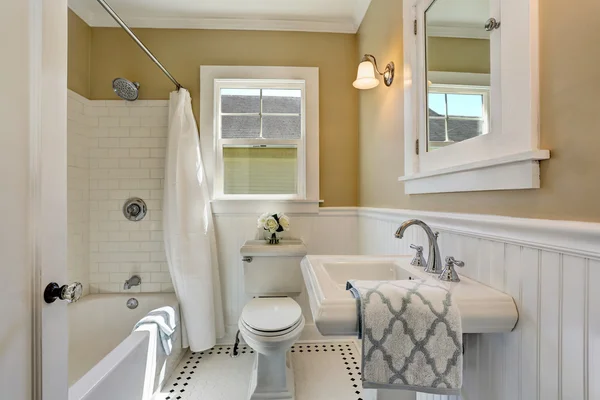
<point>411,336</point>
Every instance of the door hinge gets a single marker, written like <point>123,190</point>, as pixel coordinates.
<point>415,26</point>
<point>417,147</point>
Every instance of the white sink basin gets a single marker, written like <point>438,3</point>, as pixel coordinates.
<point>482,309</point>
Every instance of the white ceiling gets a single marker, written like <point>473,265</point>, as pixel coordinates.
<point>342,16</point>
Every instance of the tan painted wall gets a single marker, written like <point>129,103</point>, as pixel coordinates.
<point>458,55</point>
<point>184,51</point>
<point>80,43</point>
<point>570,121</point>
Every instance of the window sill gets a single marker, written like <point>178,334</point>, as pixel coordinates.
<point>516,171</point>
<point>244,206</point>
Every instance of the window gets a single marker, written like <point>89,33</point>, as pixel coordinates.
<point>456,113</point>
<point>260,139</point>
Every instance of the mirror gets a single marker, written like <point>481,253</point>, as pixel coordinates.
<point>458,71</point>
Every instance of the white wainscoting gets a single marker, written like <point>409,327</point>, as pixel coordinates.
<point>549,267</point>
<point>332,231</point>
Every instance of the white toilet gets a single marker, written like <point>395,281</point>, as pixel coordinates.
<point>272,321</point>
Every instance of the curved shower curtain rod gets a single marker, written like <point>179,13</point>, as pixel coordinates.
<point>123,25</point>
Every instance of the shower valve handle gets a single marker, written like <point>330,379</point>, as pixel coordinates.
<point>71,293</point>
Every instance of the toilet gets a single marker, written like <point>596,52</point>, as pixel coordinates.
<point>272,321</point>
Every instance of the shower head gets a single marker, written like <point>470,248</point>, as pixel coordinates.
<point>125,89</point>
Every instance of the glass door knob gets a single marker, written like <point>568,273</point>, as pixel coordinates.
<point>70,293</point>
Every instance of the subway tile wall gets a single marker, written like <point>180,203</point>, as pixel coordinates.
<point>127,156</point>
<point>124,155</point>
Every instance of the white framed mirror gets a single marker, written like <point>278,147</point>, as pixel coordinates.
<point>471,95</point>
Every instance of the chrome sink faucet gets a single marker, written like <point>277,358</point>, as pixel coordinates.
<point>434,261</point>
<point>135,280</point>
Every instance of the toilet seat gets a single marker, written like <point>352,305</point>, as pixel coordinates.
<point>271,334</point>
<point>271,316</point>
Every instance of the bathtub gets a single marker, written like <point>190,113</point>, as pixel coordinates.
<point>107,360</point>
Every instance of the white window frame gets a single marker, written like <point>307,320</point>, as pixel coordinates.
<point>506,158</point>
<point>212,78</point>
<point>444,88</point>
<point>220,143</point>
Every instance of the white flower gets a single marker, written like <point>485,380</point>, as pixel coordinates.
<point>271,225</point>
<point>262,219</point>
<point>284,221</point>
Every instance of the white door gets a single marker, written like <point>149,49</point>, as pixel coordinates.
<point>33,335</point>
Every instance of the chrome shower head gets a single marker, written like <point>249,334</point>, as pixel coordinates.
<point>125,89</point>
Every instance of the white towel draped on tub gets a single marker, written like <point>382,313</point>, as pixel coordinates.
<point>411,336</point>
<point>188,229</point>
<point>164,319</point>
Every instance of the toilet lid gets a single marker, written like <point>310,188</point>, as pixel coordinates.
<point>271,314</point>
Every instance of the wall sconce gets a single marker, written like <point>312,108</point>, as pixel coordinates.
<point>365,79</point>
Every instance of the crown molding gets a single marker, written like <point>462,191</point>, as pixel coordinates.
<point>349,25</point>
<point>360,10</point>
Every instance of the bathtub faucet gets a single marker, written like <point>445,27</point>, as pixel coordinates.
<point>135,280</point>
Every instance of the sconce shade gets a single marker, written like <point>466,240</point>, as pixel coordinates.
<point>365,79</point>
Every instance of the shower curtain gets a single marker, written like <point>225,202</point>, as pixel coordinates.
<point>189,234</point>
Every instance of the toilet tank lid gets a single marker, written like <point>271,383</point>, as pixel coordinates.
<point>285,248</point>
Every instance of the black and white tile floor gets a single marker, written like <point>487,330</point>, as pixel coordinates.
<point>323,371</point>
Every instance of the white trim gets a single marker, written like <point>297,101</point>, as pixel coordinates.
<point>458,78</point>
<point>35,201</point>
<point>458,32</point>
<point>514,107</point>
<point>360,11</point>
<point>257,207</point>
<point>504,176</point>
<point>227,208</point>
<point>342,25</point>
<point>310,75</point>
<point>581,239</point>
<point>47,222</point>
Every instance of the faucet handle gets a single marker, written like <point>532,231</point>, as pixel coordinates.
<point>449,273</point>
<point>418,260</point>
<point>454,261</point>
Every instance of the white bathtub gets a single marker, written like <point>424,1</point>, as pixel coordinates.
<point>107,360</point>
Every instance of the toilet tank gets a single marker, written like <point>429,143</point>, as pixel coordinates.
<point>273,269</point>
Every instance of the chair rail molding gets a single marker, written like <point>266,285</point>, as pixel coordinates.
<point>567,237</point>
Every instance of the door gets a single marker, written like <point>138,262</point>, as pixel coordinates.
<point>33,335</point>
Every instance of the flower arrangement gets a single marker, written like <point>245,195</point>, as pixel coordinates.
<point>273,224</point>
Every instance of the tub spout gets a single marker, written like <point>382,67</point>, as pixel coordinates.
<point>135,280</point>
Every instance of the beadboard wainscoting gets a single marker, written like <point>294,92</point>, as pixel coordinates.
<point>331,231</point>
<point>549,267</point>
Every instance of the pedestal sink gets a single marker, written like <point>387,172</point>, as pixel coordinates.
<point>482,309</point>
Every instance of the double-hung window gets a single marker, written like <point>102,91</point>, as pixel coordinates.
<point>457,113</point>
<point>260,139</point>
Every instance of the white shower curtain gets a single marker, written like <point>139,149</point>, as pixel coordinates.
<point>189,233</point>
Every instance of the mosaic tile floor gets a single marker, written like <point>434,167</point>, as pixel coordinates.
<point>323,371</point>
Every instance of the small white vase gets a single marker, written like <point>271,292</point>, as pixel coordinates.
<point>272,238</point>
